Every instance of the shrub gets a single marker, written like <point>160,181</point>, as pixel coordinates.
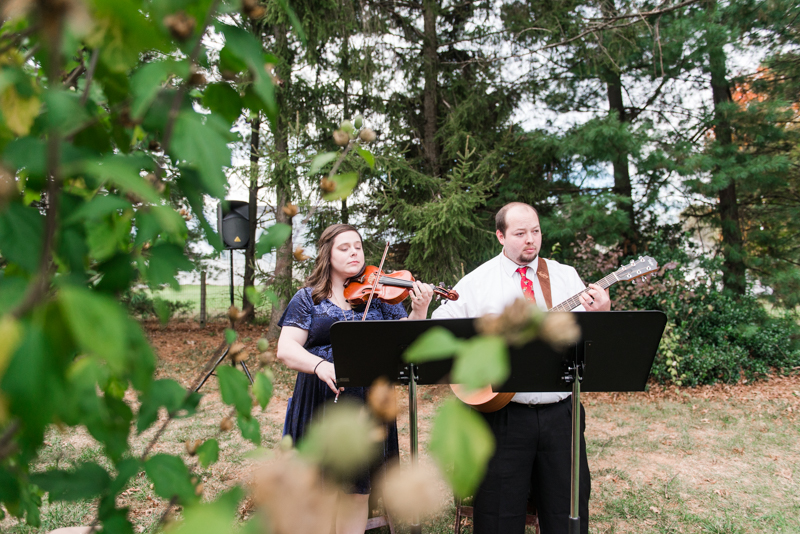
<point>140,303</point>
<point>710,336</point>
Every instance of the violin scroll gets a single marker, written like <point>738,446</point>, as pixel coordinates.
<point>443,292</point>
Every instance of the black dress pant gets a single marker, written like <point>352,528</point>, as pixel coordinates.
<point>532,455</point>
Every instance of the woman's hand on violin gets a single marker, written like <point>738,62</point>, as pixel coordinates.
<point>327,373</point>
<point>421,296</point>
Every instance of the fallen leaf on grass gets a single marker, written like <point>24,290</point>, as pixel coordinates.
<point>655,510</point>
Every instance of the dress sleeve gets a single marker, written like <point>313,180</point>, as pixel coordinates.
<point>299,311</point>
<point>393,311</point>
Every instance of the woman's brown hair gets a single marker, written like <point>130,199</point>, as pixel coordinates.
<point>320,278</point>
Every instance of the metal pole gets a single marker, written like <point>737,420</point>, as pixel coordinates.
<point>574,504</point>
<point>202,298</point>
<point>415,527</point>
<point>231,277</point>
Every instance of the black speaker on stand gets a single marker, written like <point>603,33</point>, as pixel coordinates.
<point>233,225</point>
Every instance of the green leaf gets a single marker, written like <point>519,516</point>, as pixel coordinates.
<point>126,33</point>
<point>481,361</point>
<point>345,183</point>
<point>118,273</point>
<point>274,237</point>
<point>262,388</point>
<point>64,110</point>
<point>230,336</point>
<point>27,153</point>
<point>223,99</point>
<point>436,343</point>
<point>462,444</point>
<point>107,236</point>
<point>170,222</point>
<point>253,295</point>
<point>89,480</point>
<point>98,207</point>
<point>21,234</point>
<point>320,161</point>
<point>250,428</point>
<point>13,289</point>
<point>97,322</point>
<point>211,518</point>
<point>171,478</point>
<point>165,261</point>
<point>202,142</point>
<point>166,393</point>
<point>123,171</point>
<point>233,384</point>
<point>146,83</point>
<point>208,452</point>
<point>244,46</point>
<point>32,385</point>
<point>367,156</point>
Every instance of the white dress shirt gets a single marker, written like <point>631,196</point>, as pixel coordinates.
<point>496,284</point>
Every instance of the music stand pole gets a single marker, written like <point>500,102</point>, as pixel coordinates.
<point>416,528</point>
<point>574,502</point>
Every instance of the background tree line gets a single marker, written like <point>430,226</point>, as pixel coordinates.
<point>631,123</point>
<point>123,120</point>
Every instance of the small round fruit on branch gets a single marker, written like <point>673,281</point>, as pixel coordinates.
<point>327,185</point>
<point>180,25</point>
<point>299,255</point>
<point>341,138</point>
<point>367,135</point>
<point>290,210</point>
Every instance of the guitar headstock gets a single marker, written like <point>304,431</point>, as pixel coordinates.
<point>636,268</point>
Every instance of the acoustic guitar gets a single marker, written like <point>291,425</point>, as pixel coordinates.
<point>485,400</point>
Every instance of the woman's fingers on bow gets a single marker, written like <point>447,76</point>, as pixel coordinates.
<point>327,373</point>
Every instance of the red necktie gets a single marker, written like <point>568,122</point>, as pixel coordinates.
<point>527,285</point>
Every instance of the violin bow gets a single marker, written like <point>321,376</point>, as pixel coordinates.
<point>377,279</point>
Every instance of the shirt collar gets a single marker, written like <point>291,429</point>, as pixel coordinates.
<point>509,267</point>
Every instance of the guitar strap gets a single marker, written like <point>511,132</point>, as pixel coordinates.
<point>544,281</point>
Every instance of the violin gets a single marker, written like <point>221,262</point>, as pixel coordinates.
<point>390,288</point>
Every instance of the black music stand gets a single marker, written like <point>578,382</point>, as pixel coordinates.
<point>617,348</point>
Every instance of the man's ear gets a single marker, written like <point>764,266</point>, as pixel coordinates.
<point>500,237</point>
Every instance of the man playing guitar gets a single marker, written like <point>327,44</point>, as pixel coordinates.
<point>533,432</point>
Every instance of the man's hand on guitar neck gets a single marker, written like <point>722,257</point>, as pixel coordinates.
<point>595,299</point>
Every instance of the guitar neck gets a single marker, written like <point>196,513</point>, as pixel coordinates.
<point>574,301</point>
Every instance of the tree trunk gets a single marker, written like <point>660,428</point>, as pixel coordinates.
<point>733,267</point>
<point>282,284</point>
<point>430,57</point>
<point>252,212</point>
<point>622,177</point>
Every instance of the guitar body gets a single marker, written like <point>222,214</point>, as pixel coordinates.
<point>485,400</point>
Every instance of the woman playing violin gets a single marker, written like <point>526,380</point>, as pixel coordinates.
<point>304,345</point>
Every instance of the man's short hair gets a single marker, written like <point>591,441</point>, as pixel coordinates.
<point>500,218</point>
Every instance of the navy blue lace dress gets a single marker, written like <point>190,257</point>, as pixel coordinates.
<point>310,393</point>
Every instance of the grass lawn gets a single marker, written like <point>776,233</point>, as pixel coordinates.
<point>218,299</point>
<point>716,459</point>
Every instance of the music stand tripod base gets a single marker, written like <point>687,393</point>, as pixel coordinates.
<point>216,364</point>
